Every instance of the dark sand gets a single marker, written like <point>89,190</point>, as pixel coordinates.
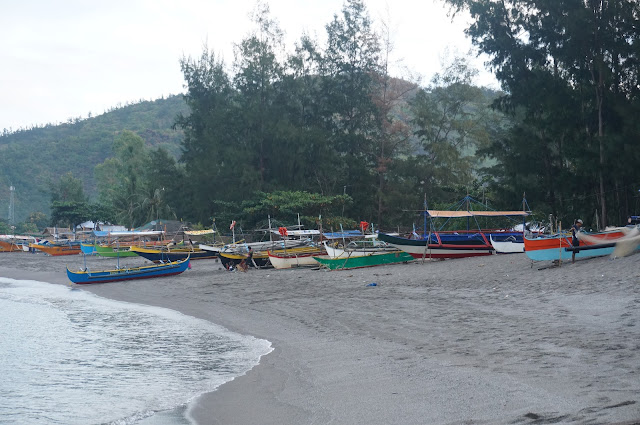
<point>487,340</point>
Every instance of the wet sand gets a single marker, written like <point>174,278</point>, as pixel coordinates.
<point>486,340</point>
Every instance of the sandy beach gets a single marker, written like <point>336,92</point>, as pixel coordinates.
<point>485,340</point>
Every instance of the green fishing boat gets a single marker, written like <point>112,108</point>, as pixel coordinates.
<point>114,251</point>
<point>370,260</point>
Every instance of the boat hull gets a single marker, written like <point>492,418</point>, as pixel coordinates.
<point>88,249</point>
<point>159,256</point>
<point>371,260</point>
<point>334,252</point>
<point>507,247</point>
<point>9,247</point>
<point>230,260</point>
<point>551,248</point>
<point>459,248</point>
<point>287,261</point>
<point>114,251</point>
<point>57,250</point>
<point>117,275</point>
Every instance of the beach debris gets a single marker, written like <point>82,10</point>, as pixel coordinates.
<point>372,284</point>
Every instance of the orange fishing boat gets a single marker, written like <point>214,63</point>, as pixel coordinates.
<point>9,246</point>
<point>56,250</point>
<point>554,247</point>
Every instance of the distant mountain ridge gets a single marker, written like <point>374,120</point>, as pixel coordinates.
<point>31,159</point>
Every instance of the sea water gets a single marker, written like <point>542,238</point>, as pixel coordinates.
<point>70,357</point>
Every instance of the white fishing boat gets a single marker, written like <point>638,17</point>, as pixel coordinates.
<point>296,257</point>
<point>510,245</point>
<point>358,248</point>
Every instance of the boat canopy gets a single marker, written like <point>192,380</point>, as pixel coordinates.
<point>453,214</point>
<point>309,232</point>
<point>344,234</point>
<point>199,232</point>
<point>104,233</point>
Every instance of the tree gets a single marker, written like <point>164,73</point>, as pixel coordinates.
<point>258,73</point>
<point>69,205</point>
<point>69,213</point>
<point>349,64</point>
<point>287,205</point>
<point>389,96</point>
<point>165,185</point>
<point>451,124</point>
<point>38,220</point>
<point>122,179</point>
<point>212,154</point>
<point>585,51</point>
<point>67,189</point>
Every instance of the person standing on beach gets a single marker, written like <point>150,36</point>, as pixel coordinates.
<point>244,264</point>
<point>577,227</point>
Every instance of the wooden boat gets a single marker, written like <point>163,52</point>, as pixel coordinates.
<point>436,246</point>
<point>232,259</point>
<point>162,255</point>
<point>358,248</point>
<point>554,247</point>
<point>58,249</point>
<point>88,248</point>
<point>509,245</point>
<point>114,251</point>
<point>10,246</point>
<point>453,244</point>
<point>296,257</point>
<point>121,274</point>
<point>369,260</point>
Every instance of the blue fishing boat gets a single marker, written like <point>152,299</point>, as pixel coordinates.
<point>132,273</point>
<point>88,248</point>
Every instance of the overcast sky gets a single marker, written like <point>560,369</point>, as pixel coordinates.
<point>65,59</point>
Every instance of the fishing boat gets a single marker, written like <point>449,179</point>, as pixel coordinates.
<point>10,246</point>
<point>114,250</point>
<point>70,248</point>
<point>437,244</point>
<point>509,245</point>
<point>555,247</point>
<point>369,260</point>
<point>88,248</point>
<point>232,259</point>
<point>160,255</point>
<point>296,257</point>
<point>132,273</point>
<point>358,248</point>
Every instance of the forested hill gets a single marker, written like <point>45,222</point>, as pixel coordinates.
<point>32,159</point>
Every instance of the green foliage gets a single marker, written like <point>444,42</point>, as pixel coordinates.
<point>327,131</point>
<point>38,220</point>
<point>69,213</point>
<point>135,181</point>
<point>286,205</point>
<point>570,70</point>
<point>30,158</point>
<point>27,228</point>
<point>68,189</point>
<point>451,124</point>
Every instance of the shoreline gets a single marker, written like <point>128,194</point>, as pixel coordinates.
<point>475,340</point>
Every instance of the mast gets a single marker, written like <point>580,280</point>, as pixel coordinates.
<point>524,210</point>
<point>12,210</point>
<point>424,229</point>
<point>468,218</point>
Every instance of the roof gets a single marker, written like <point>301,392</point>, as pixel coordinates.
<point>56,231</point>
